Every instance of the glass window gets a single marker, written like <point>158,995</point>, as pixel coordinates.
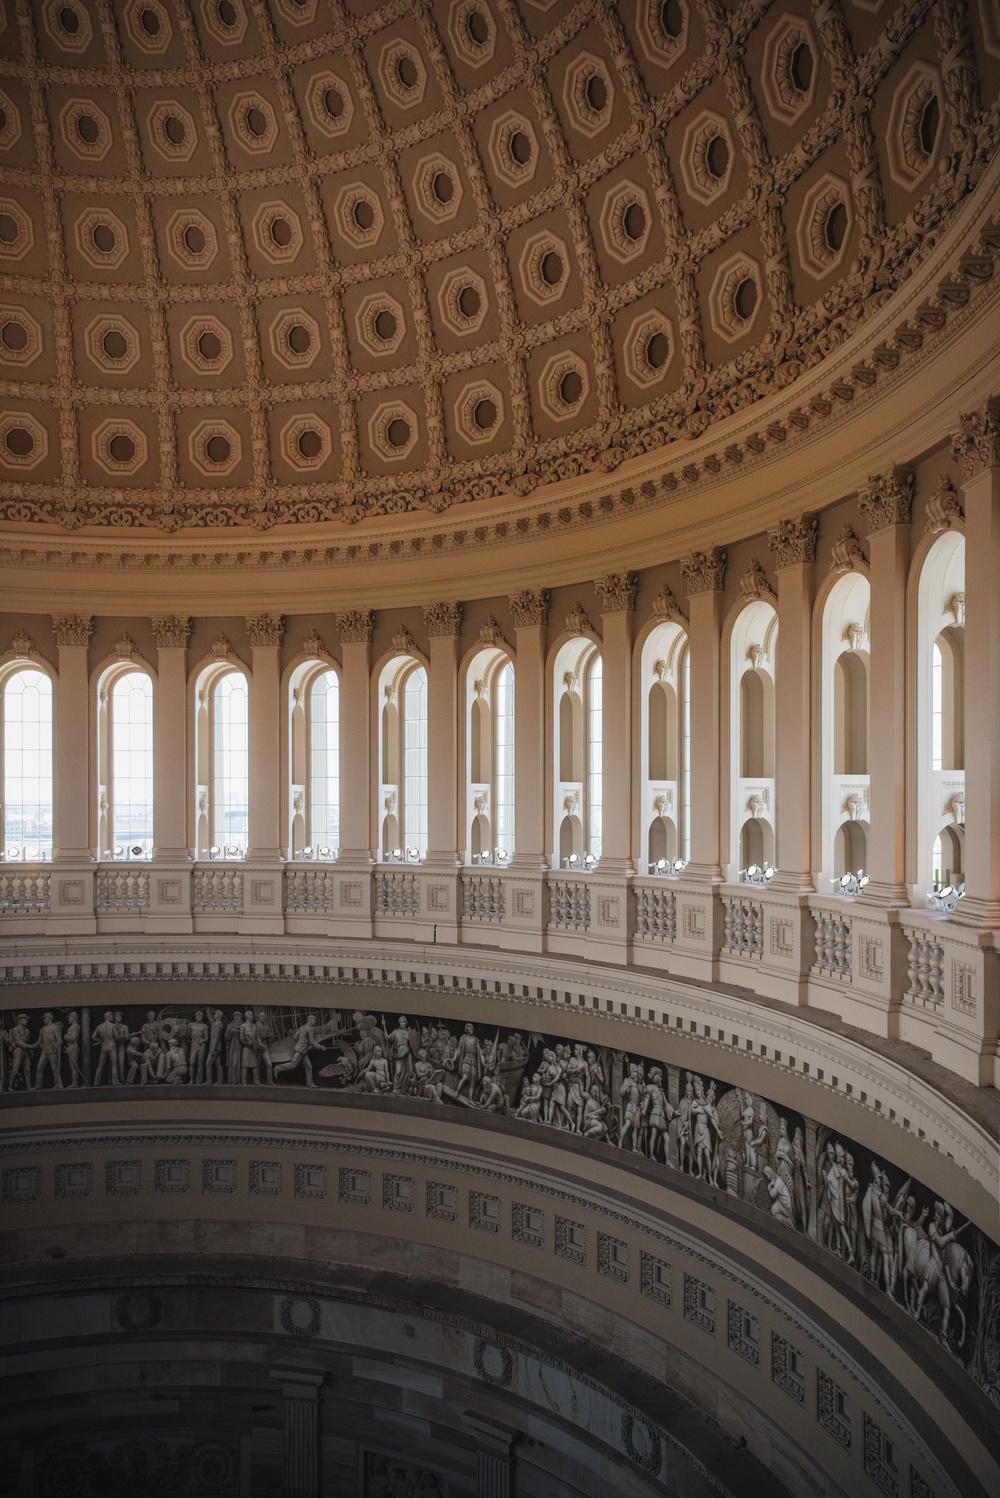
<point>415,760</point>
<point>131,728</point>
<point>937,707</point>
<point>324,762</point>
<point>230,762</point>
<point>595,740</point>
<point>27,765</point>
<point>504,798</point>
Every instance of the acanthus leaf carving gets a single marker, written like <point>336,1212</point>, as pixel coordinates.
<point>266,630</point>
<point>665,605</point>
<point>794,541</point>
<point>943,507</point>
<point>490,633</point>
<point>222,648</point>
<point>443,619</point>
<point>356,626</point>
<point>976,444</point>
<point>403,642</point>
<point>21,645</point>
<point>313,644</point>
<point>125,647</point>
<point>753,583</point>
<point>530,606</point>
<point>171,632</point>
<point>704,571</point>
<point>617,592</point>
<point>846,554</point>
<point>577,622</point>
<point>887,499</point>
<point>73,629</point>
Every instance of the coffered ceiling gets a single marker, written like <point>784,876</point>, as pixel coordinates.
<point>276,261</point>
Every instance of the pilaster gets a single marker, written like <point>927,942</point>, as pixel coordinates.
<point>300,1465</point>
<point>265,842</point>
<point>886,503</point>
<point>172,829</point>
<point>356,630</point>
<point>704,573</point>
<point>525,885</point>
<point>793,544</point>
<point>494,1455</point>
<point>440,899</point>
<point>71,735</point>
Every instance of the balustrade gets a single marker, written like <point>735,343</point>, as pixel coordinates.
<point>309,890</point>
<point>122,889</point>
<point>485,897</point>
<point>24,894</point>
<point>396,894</point>
<point>569,904</point>
<point>743,932</point>
<point>655,912</point>
<point>924,970</point>
<point>833,944</point>
<point>218,889</point>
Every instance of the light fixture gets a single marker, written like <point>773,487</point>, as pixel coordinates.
<point>13,854</point>
<point>756,873</point>
<point>852,884</point>
<point>136,851</point>
<point>214,851</point>
<point>946,898</point>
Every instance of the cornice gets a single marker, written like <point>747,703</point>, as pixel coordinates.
<point>896,387</point>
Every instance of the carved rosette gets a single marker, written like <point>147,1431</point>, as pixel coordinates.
<point>754,583</point>
<point>266,629</point>
<point>943,508</point>
<point>846,554</point>
<point>356,626</point>
<point>704,571</point>
<point>73,629</point>
<point>171,633</point>
<point>887,499</point>
<point>976,444</point>
<point>794,541</point>
<point>443,619</point>
<point>529,607</point>
<point>617,592</point>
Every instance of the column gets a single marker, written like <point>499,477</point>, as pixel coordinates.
<point>300,1467</point>
<point>704,573</point>
<point>265,841</point>
<point>173,818</point>
<point>886,502</point>
<point>443,622</point>
<point>355,737</point>
<point>793,543</point>
<point>73,790</point>
<point>529,611</point>
<point>977,446</point>
<point>617,594</point>
<point>494,1455</point>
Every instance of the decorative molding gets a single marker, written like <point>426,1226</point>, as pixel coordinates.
<point>617,592</point>
<point>704,571</point>
<point>313,645</point>
<point>976,444</point>
<point>887,499</point>
<point>221,648</point>
<point>357,627</point>
<point>266,630</point>
<point>794,541</point>
<point>171,633</point>
<point>846,554</point>
<point>73,629</point>
<point>125,648</point>
<point>443,619</point>
<point>577,622</point>
<point>21,645</point>
<point>665,606</point>
<point>530,606</point>
<point>490,633</point>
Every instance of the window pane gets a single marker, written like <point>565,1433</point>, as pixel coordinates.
<point>415,760</point>
<point>595,744</point>
<point>937,706</point>
<point>324,762</point>
<point>504,800</point>
<point>27,764</point>
<point>131,728</point>
<point>230,762</point>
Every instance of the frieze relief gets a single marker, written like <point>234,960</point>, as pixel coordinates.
<point>805,1178</point>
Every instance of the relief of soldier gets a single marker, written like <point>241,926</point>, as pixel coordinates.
<point>803,1177</point>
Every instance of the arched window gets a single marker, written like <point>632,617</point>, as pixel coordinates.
<point>579,759</point>
<point>753,660</point>
<point>844,703</point>
<point>315,762</point>
<point>125,759</point>
<point>940,716</point>
<point>223,760</point>
<point>26,792</point>
<point>490,742</point>
<point>403,758</point>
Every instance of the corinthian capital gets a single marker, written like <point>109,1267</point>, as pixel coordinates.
<point>793,541</point>
<point>443,618</point>
<point>704,571</point>
<point>976,444</point>
<point>356,626</point>
<point>887,499</point>
<point>617,592</point>
<point>529,607</point>
<point>171,633</point>
<point>73,629</point>
<point>266,629</point>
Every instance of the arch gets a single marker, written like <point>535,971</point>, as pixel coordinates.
<point>27,713</point>
<point>937,724</point>
<point>576,677</point>
<point>843,687</point>
<point>850,849</point>
<point>751,652</point>
<point>125,754</point>
<point>489,754</point>
<point>948,856</point>
<point>401,703</point>
<point>314,724</point>
<point>222,759</point>
<point>756,843</point>
<point>663,672</point>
